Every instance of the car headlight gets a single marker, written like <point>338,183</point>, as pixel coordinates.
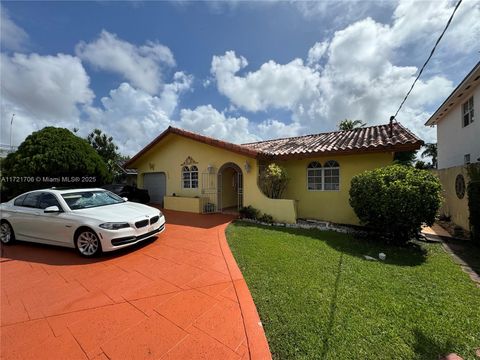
<point>114,225</point>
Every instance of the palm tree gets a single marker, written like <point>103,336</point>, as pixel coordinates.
<point>430,151</point>
<point>347,124</point>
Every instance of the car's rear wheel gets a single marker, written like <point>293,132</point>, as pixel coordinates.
<point>7,236</point>
<point>88,243</point>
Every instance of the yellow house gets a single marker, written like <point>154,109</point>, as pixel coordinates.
<point>190,172</point>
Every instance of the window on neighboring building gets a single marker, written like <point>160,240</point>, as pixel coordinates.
<point>331,175</point>
<point>467,112</point>
<point>314,176</point>
<point>466,159</point>
<point>190,177</point>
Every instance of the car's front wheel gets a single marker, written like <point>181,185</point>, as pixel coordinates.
<point>7,236</point>
<point>88,243</point>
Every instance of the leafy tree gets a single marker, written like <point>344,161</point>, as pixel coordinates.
<point>106,148</point>
<point>53,153</point>
<point>396,200</point>
<point>348,124</point>
<point>430,151</point>
<point>422,165</point>
<point>406,158</point>
<point>274,181</point>
<point>103,145</point>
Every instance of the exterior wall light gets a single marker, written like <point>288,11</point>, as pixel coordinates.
<point>247,166</point>
<point>210,169</point>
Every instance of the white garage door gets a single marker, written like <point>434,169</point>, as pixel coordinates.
<point>156,185</point>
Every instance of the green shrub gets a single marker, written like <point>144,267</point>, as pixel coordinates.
<point>249,212</point>
<point>474,209</point>
<point>54,153</point>
<point>274,181</point>
<point>395,200</point>
<point>473,191</point>
<point>266,219</point>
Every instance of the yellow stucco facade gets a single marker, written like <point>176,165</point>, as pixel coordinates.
<point>330,205</point>
<point>183,203</point>
<point>168,155</point>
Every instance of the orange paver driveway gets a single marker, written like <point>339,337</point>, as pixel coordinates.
<point>181,296</point>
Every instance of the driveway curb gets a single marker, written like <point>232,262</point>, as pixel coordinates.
<point>257,341</point>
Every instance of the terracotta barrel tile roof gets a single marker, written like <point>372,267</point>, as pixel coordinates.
<point>368,139</point>
<point>372,138</point>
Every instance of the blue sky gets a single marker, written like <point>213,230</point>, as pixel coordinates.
<point>240,71</point>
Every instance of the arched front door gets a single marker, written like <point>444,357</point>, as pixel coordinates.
<point>230,187</point>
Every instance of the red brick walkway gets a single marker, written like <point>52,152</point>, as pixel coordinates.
<point>181,296</point>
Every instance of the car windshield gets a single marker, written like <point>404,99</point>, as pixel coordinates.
<point>89,199</point>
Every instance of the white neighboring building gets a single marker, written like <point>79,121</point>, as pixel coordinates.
<point>458,123</point>
<point>458,144</point>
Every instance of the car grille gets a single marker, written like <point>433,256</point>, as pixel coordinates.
<point>154,219</point>
<point>140,224</point>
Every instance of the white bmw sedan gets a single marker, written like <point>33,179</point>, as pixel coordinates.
<point>90,220</point>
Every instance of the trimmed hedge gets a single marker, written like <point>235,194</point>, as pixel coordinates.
<point>473,190</point>
<point>395,201</point>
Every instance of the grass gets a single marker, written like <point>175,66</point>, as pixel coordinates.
<point>318,298</point>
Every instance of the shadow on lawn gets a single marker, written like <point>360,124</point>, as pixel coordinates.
<point>427,348</point>
<point>412,255</point>
<point>333,311</point>
<point>466,253</point>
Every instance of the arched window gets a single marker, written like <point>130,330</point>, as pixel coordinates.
<point>331,175</point>
<point>190,177</point>
<point>314,176</point>
<point>186,179</point>
<point>194,176</point>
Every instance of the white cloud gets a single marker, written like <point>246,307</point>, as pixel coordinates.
<point>340,13</point>
<point>420,23</point>
<point>274,129</point>
<point>357,73</point>
<point>132,116</point>
<point>12,36</point>
<point>45,86</point>
<point>140,65</point>
<point>272,86</point>
<point>207,120</point>
<point>316,52</point>
<point>169,97</point>
<point>41,91</point>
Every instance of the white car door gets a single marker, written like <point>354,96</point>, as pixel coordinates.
<point>25,216</point>
<point>55,228</point>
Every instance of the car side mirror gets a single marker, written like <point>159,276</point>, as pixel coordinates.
<point>125,198</point>
<point>52,209</point>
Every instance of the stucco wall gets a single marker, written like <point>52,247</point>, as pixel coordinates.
<point>329,205</point>
<point>454,140</point>
<point>183,204</point>
<point>452,206</point>
<point>168,155</point>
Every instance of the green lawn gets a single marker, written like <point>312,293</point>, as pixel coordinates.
<point>319,299</point>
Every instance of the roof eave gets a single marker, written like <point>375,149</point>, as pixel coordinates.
<point>238,149</point>
<point>453,97</point>
<point>371,150</point>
